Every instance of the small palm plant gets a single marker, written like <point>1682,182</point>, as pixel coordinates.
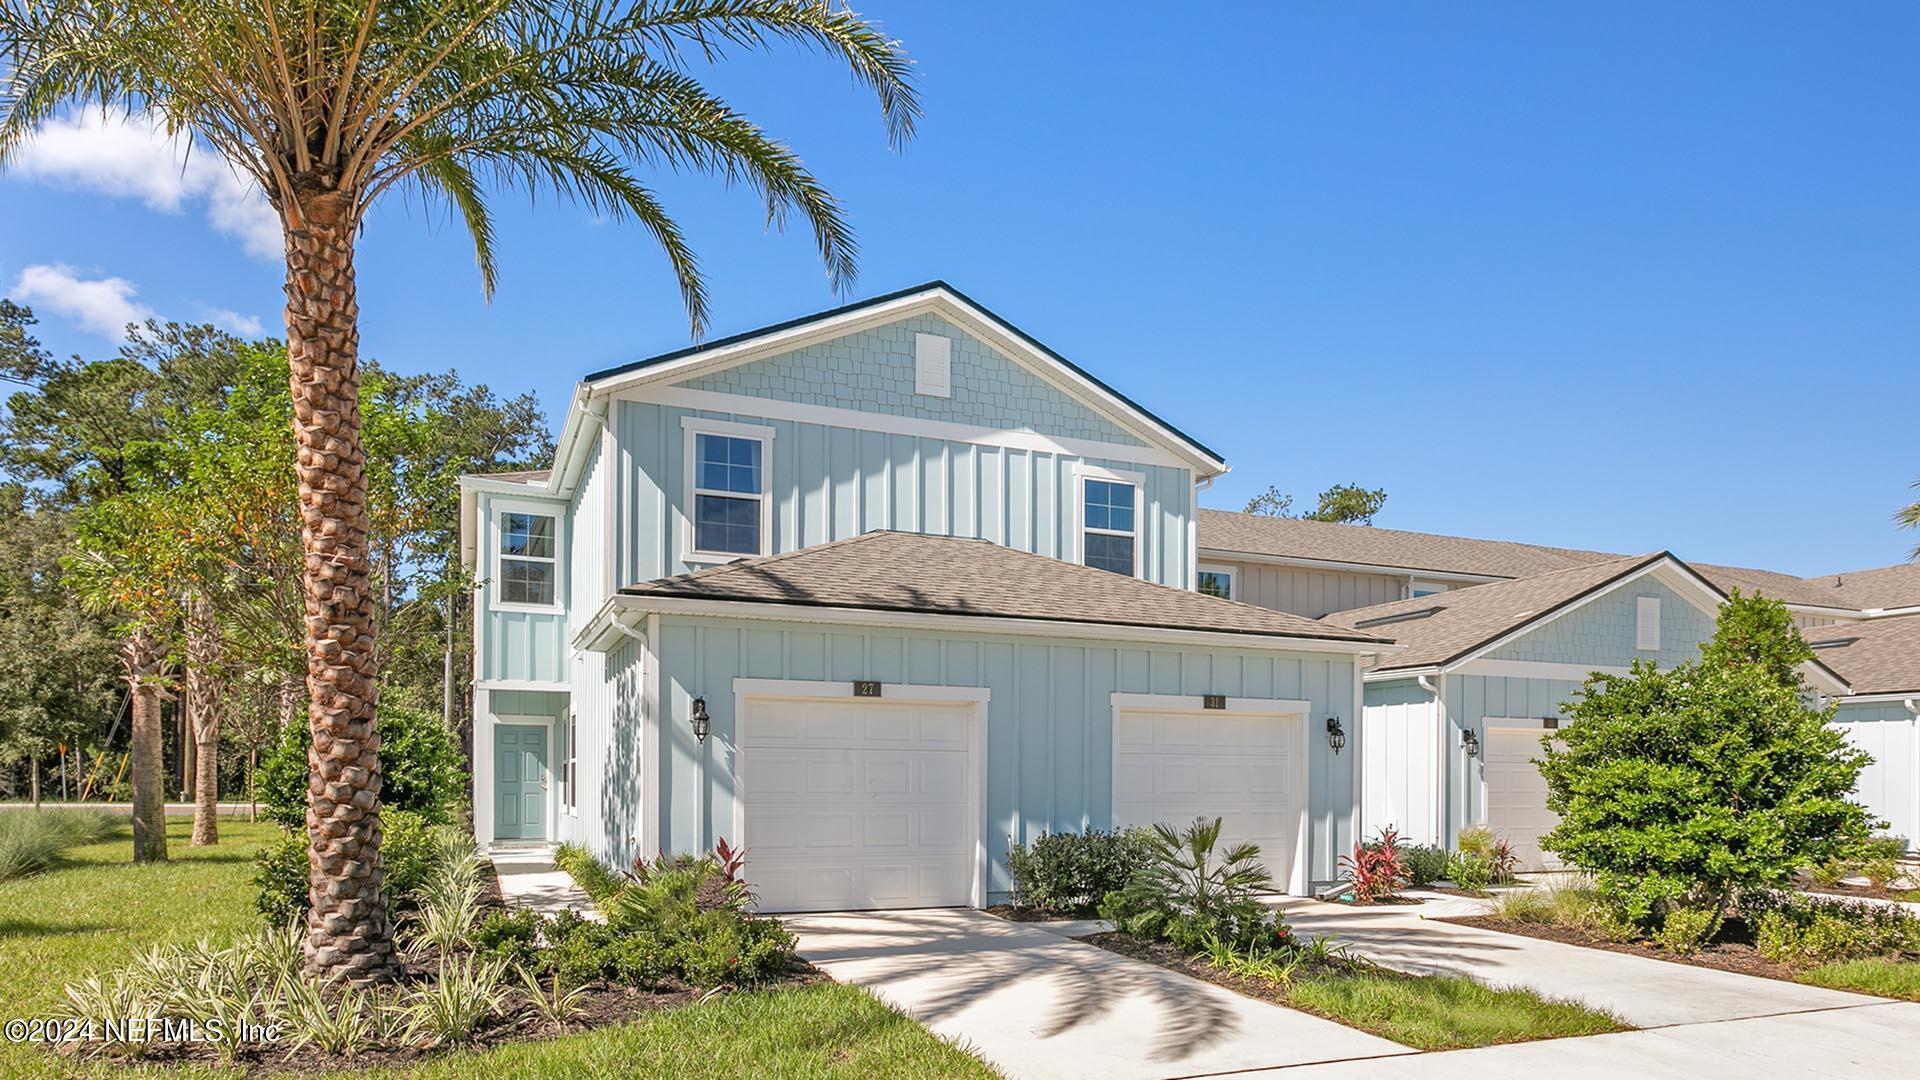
<point>1189,892</point>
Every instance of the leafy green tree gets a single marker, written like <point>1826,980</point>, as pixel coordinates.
<point>1678,789</point>
<point>329,106</point>
<point>1343,504</point>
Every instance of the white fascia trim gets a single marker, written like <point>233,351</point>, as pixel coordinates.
<point>938,301</point>
<point>543,685</point>
<point>825,688</point>
<point>1229,555</point>
<point>1401,673</point>
<point>1907,698</point>
<point>1194,703</point>
<point>494,486</point>
<point>1535,669</point>
<point>585,416</point>
<point>801,412</point>
<point>979,624</point>
<point>1669,571</point>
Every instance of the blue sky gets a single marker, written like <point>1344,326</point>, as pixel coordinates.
<point>1627,276</point>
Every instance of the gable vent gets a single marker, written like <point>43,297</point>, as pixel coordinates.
<point>1647,626</point>
<point>932,365</point>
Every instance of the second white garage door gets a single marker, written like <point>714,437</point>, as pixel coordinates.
<point>849,804</point>
<point>1248,770</point>
<point>1517,793</point>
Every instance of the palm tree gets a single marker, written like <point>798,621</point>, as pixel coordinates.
<point>330,104</point>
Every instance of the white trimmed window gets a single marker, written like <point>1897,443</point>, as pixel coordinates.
<point>1110,520</point>
<point>1419,589</point>
<point>569,768</point>
<point>528,565</point>
<point>731,512</point>
<point>1216,581</point>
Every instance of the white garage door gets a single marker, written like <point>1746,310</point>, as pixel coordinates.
<point>1517,794</point>
<point>1247,770</point>
<point>851,804</point>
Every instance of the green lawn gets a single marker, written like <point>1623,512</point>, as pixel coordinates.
<point>1879,977</point>
<point>1443,1012</point>
<point>95,910</point>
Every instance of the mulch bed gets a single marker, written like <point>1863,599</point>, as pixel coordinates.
<point>1736,956</point>
<point>1167,956</point>
<point>604,1005</point>
<point>1021,914</point>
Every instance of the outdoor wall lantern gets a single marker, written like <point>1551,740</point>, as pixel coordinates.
<point>1336,735</point>
<point>1470,743</point>
<point>702,724</point>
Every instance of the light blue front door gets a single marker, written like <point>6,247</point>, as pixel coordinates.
<point>519,782</point>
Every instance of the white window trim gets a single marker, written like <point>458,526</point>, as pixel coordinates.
<point>570,764</point>
<point>1233,577</point>
<point>1081,474</point>
<point>1434,588</point>
<point>498,509</point>
<point>692,427</point>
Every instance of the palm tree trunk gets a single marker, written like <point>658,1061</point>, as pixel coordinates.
<point>349,935</point>
<point>203,712</point>
<point>142,656</point>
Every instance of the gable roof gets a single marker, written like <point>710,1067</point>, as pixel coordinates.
<point>1259,534</point>
<point>1877,656</point>
<point>914,573</point>
<point>1449,627</point>
<point>996,331</point>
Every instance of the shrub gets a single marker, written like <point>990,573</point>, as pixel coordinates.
<point>688,915</point>
<point>1794,930</point>
<point>1375,871</point>
<point>1424,863</point>
<point>421,769</point>
<point>1686,929</point>
<point>407,851</point>
<point>592,875</point>
<point>1470,872</point>
<point>1876,859</point>
<point>1686,787</point>
<point>465,993</point>
<point>1069,873</point>
<point>1191,895</point>
<point>30,840</point>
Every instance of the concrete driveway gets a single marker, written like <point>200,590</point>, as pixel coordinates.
<point>1643,992</point>
<point>1037,1004</point>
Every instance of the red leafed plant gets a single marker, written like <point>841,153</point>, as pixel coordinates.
<point>1375,871</point>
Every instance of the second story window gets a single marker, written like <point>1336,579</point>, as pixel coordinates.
<point>1215,581</point>
<point>1109,540</point>
<point>728,489</point>
<point>528,559</point>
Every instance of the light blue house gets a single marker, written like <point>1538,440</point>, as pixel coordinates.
<point>877,593</point>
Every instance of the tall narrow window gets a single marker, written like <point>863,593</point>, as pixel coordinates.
<point>729,495</point>
<point>527,559</point>
<point>1109,536</point>
<point>570,794</point>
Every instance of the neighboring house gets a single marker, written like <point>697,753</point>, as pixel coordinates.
<point>1880,659</point>
<point>877,593</point>
<point>1436,593</point>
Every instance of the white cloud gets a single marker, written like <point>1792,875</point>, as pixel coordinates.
<point>104,305</point>
<point>247,326</point>
<point>133,157</point>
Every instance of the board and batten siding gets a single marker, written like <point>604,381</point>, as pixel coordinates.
<point>1050,719</point>
<point>831,483</point>
<point>519,646</point>
<point>1307,592</point>
<point>1890,786</point>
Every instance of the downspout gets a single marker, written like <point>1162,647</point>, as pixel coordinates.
<point>1913,709</point>
<point>1443,755</point>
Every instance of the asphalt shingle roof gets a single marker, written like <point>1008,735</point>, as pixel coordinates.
<point>1441,628</point>
<point>899,571</point>
<point>1257,534</point>
<point>1875,656</point>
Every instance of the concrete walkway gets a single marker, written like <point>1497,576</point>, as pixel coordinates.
<point>529,879</point>
<point>1641,991</point>
<point>1038,1004</point>
<point>1866,1041</point>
